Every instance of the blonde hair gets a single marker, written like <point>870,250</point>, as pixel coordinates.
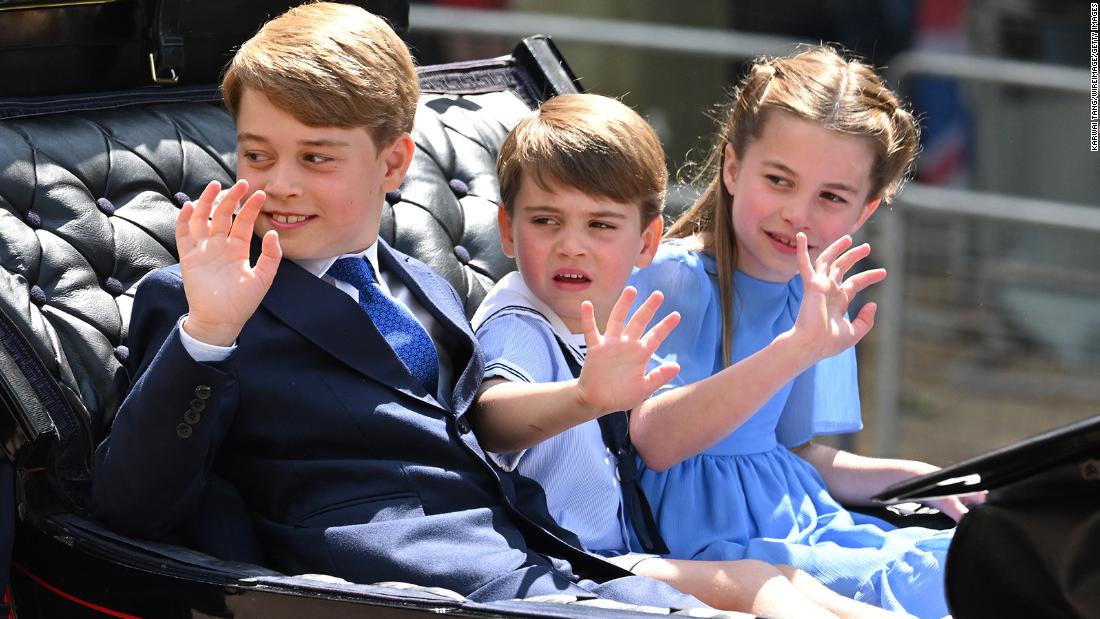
<point>329,65</point>
<point>594,144</point>
<point>816,84</point>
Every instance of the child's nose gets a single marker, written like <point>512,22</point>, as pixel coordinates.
<point>571,244</point>
<point>796,212</point>
<point>280,182</point>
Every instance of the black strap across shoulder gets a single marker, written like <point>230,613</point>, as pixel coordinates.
<point>615,428</point>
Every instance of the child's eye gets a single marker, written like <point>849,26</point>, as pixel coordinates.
<point>777,180</point>
<point>544,221</point>
<point>315,158</point>
<point>602,225</point>
<point>254,157</point>
<point>829,196</point>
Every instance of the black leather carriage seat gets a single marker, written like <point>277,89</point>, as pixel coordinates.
<point>89,193</point>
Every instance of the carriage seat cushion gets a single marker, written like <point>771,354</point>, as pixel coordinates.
<point>88,204</point>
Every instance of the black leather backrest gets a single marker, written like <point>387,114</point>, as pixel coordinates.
<point>89,192</point>
<point>446,210</point>
<point>87,207</point>
<point>88,202</point>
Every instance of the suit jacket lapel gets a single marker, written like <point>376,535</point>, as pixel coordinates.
<point>333,321</point>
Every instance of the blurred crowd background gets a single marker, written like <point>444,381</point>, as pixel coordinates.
<point>989,325</point>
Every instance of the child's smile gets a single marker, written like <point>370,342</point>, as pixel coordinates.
<point>782,186</point>
<point>324,185</point>
<point>784,244</point>
<point>283,220</point>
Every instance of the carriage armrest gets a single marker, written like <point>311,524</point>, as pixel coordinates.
<point>908,515</point>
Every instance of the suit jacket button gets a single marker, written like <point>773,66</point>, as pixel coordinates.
<point>198,405</point>
<point>183,430</point>
<point>202,392</point>
<point>463,426</point>
<point>192,417</point>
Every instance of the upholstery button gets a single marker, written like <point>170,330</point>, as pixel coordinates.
<point>122,353</point>
<point>198,405</point>
<point>181,198</point>
<point>113,287</point>
<point>33,219</point>
<point>202,392</point>
<point>184,430</point>
<point>1089,471</point>
<point>462,254</point>
<point>192,417</point>
<point>105,206</point>
<point>393,197</point>
<point>459,187</point>
<point>463,426</point>
<point>38,296</point>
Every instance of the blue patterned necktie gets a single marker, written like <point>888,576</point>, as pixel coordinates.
<point>394,321</point>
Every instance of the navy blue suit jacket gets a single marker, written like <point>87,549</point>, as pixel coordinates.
<point>347,466</point>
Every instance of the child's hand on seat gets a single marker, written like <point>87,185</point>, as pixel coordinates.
<point>614,375</point>
<point>223,289</point>
<point>957,506</point>
<point>822,324</point>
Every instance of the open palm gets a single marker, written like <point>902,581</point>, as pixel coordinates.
<point>223,289</point>
<point>614,375</point>
<point>822,320</point>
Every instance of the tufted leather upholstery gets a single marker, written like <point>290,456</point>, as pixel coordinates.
<point>87,207</point>
<point>88,202</point>
<point>446,210</point>
<point>89,194</point>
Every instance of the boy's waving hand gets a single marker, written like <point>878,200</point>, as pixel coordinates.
<point>223,288</point>
<point>614,375</point>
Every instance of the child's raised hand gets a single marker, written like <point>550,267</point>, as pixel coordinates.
<point>614,375</point>
<point>822,324</point>
<point>223,289</point>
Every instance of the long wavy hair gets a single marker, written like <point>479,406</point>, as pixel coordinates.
<point>817,84</point>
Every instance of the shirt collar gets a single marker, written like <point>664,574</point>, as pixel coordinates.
<point>320,266</point>
<point>512,295</point>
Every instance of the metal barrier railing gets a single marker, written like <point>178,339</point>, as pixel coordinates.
<point>685,39</point>
<point>916,198</point>
<point>983,69</point>
<point>731,44</point>
<point>891,247</point>
<point>954,202</point>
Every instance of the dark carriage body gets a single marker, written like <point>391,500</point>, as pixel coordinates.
<point>89,190</point>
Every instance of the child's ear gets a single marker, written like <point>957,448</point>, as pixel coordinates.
<point>729,169</point>
<point>504,226</point>
<point>397,157</point>
<point>651,239</point>
<point>865,214</point>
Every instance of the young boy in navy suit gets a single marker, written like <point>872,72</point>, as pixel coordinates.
<point>322,373</point>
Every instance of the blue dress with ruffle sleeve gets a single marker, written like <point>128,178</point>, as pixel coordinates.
<point>749,496</point>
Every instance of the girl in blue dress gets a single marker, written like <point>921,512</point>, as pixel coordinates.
<point>812,144</point>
